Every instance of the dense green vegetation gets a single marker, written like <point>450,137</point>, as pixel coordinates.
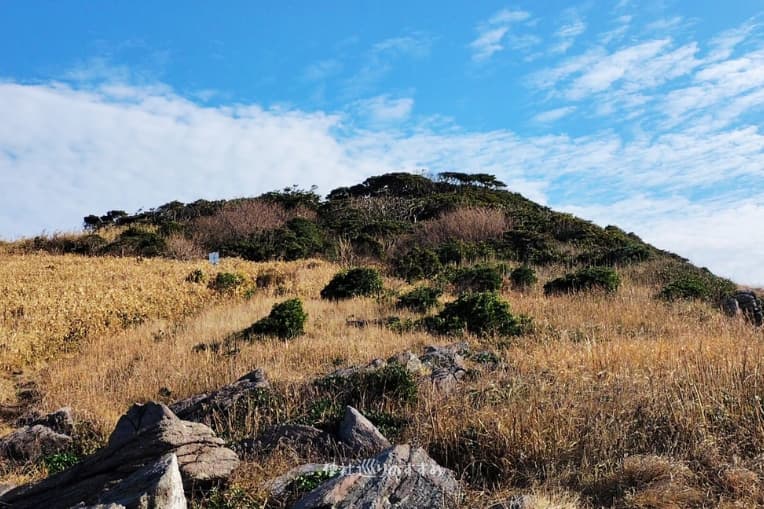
<point>416,227</point>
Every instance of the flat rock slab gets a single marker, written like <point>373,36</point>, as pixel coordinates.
<point>400,477</point>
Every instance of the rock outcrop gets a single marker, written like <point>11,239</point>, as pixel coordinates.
<point>399,477</point>
<point>745,303</point>
<point>202,407</point>
<point>38,436</point>
<point>144,435</point>
<point>359,434</point>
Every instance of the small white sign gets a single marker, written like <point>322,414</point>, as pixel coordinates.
<point>214,258</point>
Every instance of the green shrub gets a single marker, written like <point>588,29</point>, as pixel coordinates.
<point>226,282</point>
<point>420,299</point>
<point>685,288</point>
<point>418,263</point>
<point>523,277</point>
<point>480,278</point>
<point>60,461</point>
<point>286,321</point>
<point>589,278</point>
<point>358,282</point>
<point>482,313</point>
<point>137,242</point>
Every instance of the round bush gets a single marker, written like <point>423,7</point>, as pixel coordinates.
<point>686,288</point>
<point>482,313</point>
<point>286,321</point>
<point>477,279</point>
<point>523,277</point>
<point>417,264</point>
<point>358,282</point>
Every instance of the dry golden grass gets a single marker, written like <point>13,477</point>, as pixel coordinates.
<point>613,401</point>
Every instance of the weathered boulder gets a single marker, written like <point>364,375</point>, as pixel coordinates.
<point>400,477</point>
<point>144,434</point>
<point>60,421</point>
<point>31,443</point>
<point>358,433</point>
<point>202,407</point>
<point>158,485</point>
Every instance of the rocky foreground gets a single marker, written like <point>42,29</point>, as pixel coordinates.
<point>160,456</point>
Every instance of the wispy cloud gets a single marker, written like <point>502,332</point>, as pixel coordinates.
<point>554,115</point>
<point>322,69</point>
<point>492,33</point>
<point>567,34</point>
<point>384,109</point>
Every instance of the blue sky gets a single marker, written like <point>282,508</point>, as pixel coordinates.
<point>643,114</point>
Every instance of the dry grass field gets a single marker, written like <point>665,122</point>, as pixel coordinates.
<point>612,401</point>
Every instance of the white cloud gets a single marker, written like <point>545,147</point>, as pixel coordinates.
<point>492,35</point>
<point>567,34</point>
<point>322,69</point>
<point>554,115</point>
<point>384,109</point>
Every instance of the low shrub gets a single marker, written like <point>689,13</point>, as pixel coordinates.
<point>417,263</point>
<point>482,314</point>
<point>589,278</point>
<point>480,278</point>
<point>137,242</point>
<point>523,277</point>
<point>358,282</point>
<point>420,299</point>
<point>226,282</point>
<point>685,288</point>
<point>286,321</point>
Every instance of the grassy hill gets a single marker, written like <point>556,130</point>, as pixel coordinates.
<point>635,394</point>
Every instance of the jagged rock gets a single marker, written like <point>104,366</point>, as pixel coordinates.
<point>30,443</point>
<point>747,304</point>
<point>360,434</point>
<point>155,486</point>
<point>200,408</point>
<point>408,360</point>
<point>144,434</point>
<point>400,477</point>
<point>447,365</point>
<point>60,421</point>
<point>451,356</point>
<point>304,439</point>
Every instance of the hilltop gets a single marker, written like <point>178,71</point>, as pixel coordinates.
<point>530,352</point>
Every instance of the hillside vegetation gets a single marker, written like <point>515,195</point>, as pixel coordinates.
<point>591,382</point>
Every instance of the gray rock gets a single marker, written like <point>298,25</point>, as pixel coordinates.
<point>745,303</point>
<point>31,443</point>
<point>400,477</point>
<point>358,433</point>
<point>60,421</point>
<point>450,356</point>
<point>6,487</point>
<point>158,485</point>
<point>203,407</point>
<point>408,360</point>
<point>446,380</point>
<point>143,435</point>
